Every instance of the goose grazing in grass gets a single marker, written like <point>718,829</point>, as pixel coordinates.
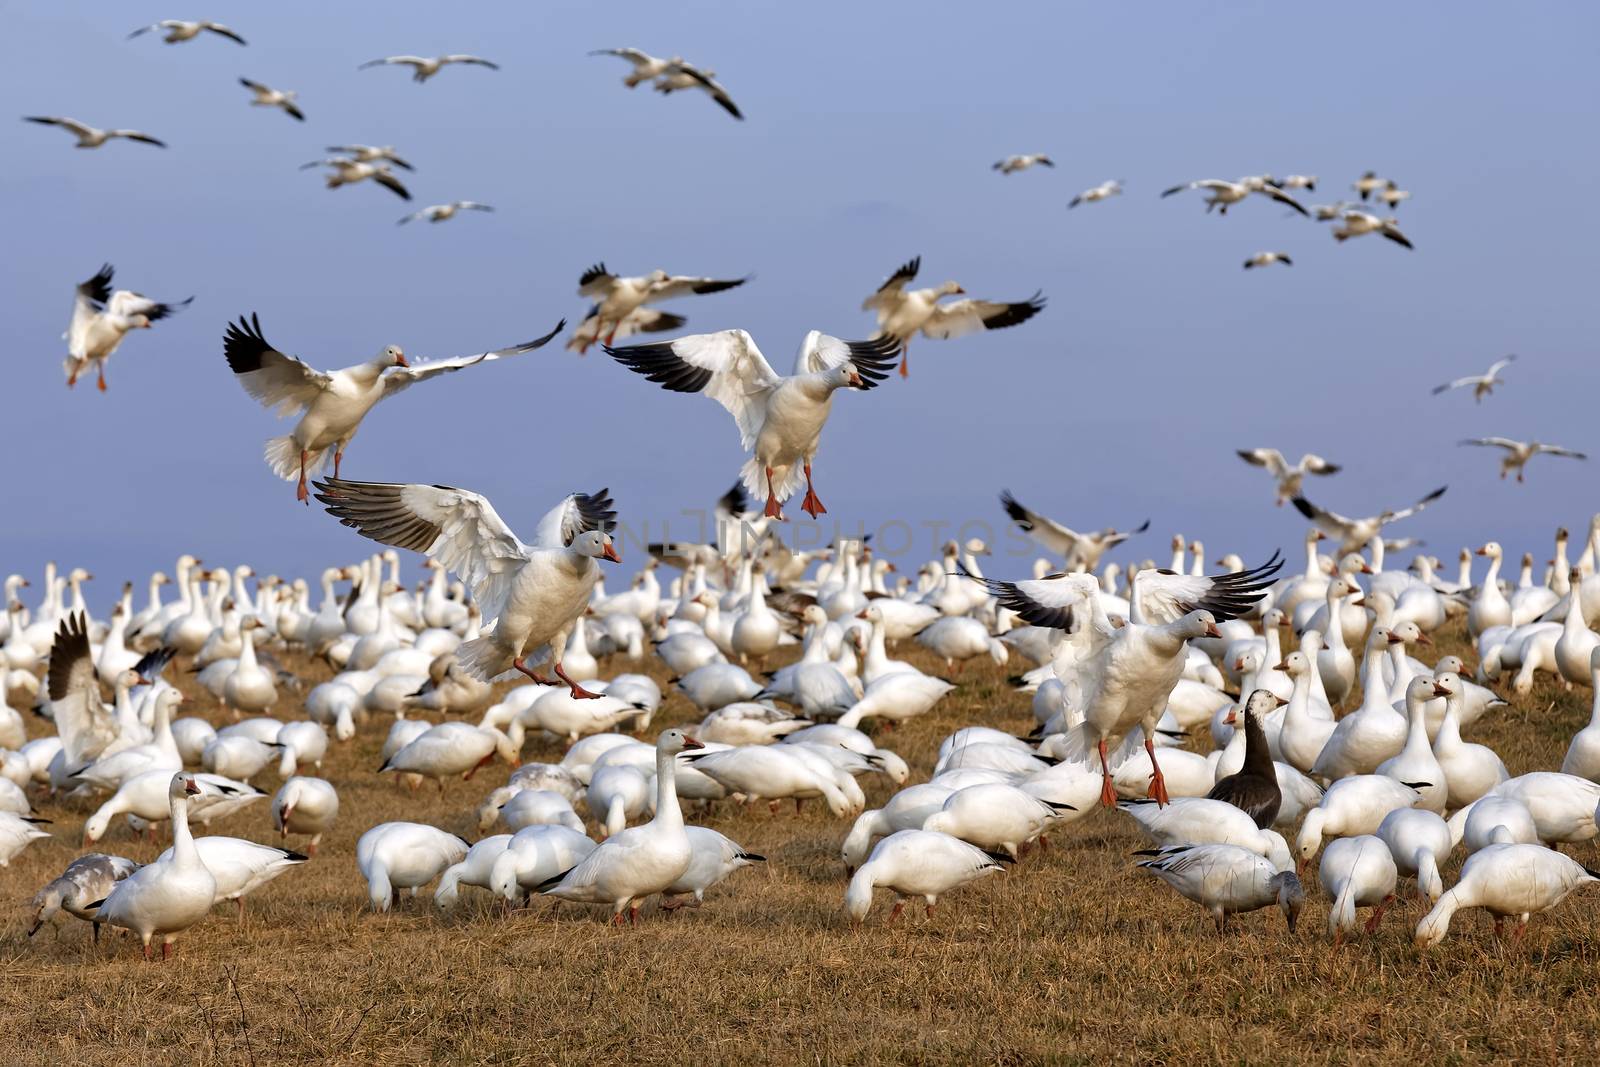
<point>1267,259</point>
<point>1511,881</point>
<point>331,404</point>
<point>1353,806</point>
<point>1080,551</point>
<point>102,318</point>
<point>404,855</point>
<point>780,419</point>
<point>1357,223</point>
<point>305,805</point>
<point>1517,453</point>
<point>1013,164</point>
<point>86,879</point>
<point>173,893</point>
<point>451,748</point>
<point>425,67</point>
<point>533,593</point>
<point>89,136</point>
<point>617,297</point>
<point>266,96</point>
<point>1357,872</point>
<point>1419,841</point>
<point>1226,880</point>
<point>646,67</point>
<point>1482,384</point>
<point>1355,534</point>
<point>642,860</point>
<point>902,312</point>
<point>534,855</point>
<point>1224,193</point>
<point>715,857</point>
<point>995,817</point>
<point>177,31</point>
<point>917,863</point>
<point>444,212</point>
<point>475,868</point>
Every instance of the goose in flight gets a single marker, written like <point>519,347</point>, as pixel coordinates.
<point>442,212</point>
<point>646,67</point>
<point>780,419</point>
<point>1104,191</point>
<point>1482,384</point>
<point>1329,212</point>
<point>902,312</point>
<point>1289,478</point>
<point>1012,164</point>
<point>331,403</point>
<point>1356,223</point>
<point>1392,195</point>
<point>366,153</point>
<point>1081,551</point>
<point>615,297</point>
<point>267,97</point>
<point>425,67</point>
<point>681,75</point>
<point>1519,452</point>
<point>350,171</point>
<point>1297,181</point>
<point>1355,534</point>
<point>178,31</point>
<point>639,320</point>
<point>1267,259</point>
<point>1224,193</point>
<point>100,320</point>
<point>1367,184</point>
<point>531,595</point>
<point>89,136</point>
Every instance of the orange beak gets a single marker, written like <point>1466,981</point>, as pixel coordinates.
<point>689,742</point>
<point>400,361</point>
<point>611,554</point>
<point>1439,690</point>
<point>1423,639</point>
<point>1279,699</point>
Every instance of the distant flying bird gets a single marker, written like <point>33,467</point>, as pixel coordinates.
<point>1080,551</point>
<point>617,297</point>
<point>179,31</point>
<point>1355,223</point>
<point>681,75</point>
<point>1355,534</point>
<point>331,403</point>
<point>639,320</point>
<point>1519,452</point>
<point>1297,181</point>
<point>1102,191</point>
<point>1012,164</point>
<point>266,97</point>
<point>1329,212</point>
<point>366,153</point>
<point>780,419</point>
<point>1288,478</point>
<point>1267,259</point>
<point>100,319</point>
<point>1392,195</point>
<point>441,212</point>
<point>1482,384</point>
<point>1224,193</point>
<point>902,313</point>
<point>1368,184</point>
<point>646,67</point>
<point>424,67</point>
<point>348,172</point>
<point>88,136</point>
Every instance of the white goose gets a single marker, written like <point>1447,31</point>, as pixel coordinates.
<point>1470,770</point>
<point>100,320</point>
<point>239,867</point>
<point>1357,872</point>
<point>715,857</point>
<point>1415,762</point>
<point>305,806</point>
<point>1226,880</point>
<point>1224,193</point>
<point>1490,607</point>
<point>172,894</point>
<point>1562,805</point>
<point>17,832</point>
<point>266,96</point>
<point>1013,164</point>
<point>901,312</point>
<point>404,855</point>
<point>448,749</point>
<point>1356,223</point>
<point>1288,477</point>
<point>1201,821</point>
<point>1355,534</point>
<point>177,30</point>
<point>1510,881</point>
<point>444,212</point>
<point>1517,453</point>
<point>475,868</point>
<point>1482,384</point>
<point>1419,841</point>
<point>1351,807</point>
<point>425,67</point>
<point>995,816</point>
<point>773,773</point>
<point>89,136</point>
<point>1104,191</point>
<point>646,67</point>
<point>916,863</point>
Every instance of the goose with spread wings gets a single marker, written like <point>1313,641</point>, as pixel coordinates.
<point>90,136</point>
<point>1355,534</point>
<point>177,30</point>
<point>368,153</point>
<point>780,419</point>
<point>331,404</point>
<point>1081,551</point>
<point>531,595</point>
<point>1519,452</point>
<point>350,171</point>
<point>444,212</point>
<point>902,312</point>
<point>1356,223</point>
<point>1288,477</point>
<point>266,96</point>
<point>1225,193</point>
<point>425,67</point>
<point>615,297</point>
<point>681,75</point>
<point>639,320</point>
<point>101,318</point>
<point>646,67</point>
<point>1482,384</point>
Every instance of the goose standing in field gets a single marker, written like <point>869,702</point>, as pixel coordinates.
<point>350,171</point>
<point>773,773</point>
<point>901,312</point>
<point>1470,771</point>
<point>618,297</point>
<point>916,863</point>
<point>1419,841</point>
<point>1357,872</point>
<point>1201,821</point>
<point>780,419</point>
<point>89,136</point>
<point>1575,648</point>
<point>1355,534</point>
<point>269,97</point>
<point>646,67</point>
<point>1482,384</point>
<point>1357,223</point>
<point>1013,164</point>
<point>404,855</point>
<point>1226,880</point>
<point>1351,807</point>
<point>1489,608</point>
<point>331,403</point>
<point>715,857</point>
<point>1519,452</point>
<point>681,75</point>
<point>1583,753</point>
<point>1080,551</point>
<point>250,687</point>
<point>1288,478</point>
<point>305,806</point>
<point>444,212</point>
<point>995,816</point>
<point>1415,762</point>
<point>1267,259</point>
<point>177,30</point>
<point>1104,191</point>
<point>173,893</point>
<point>239,867</point>
<point>100,320</point>
<point>448,749</point>
<point>425,67</point>
<point>87,878</point>
<point>475,868</point>
<point>1254,789</point>
<point>1562,806</point>
<point>1510,881</point>
<point>642,860</point>
<point>533,593</point>
<point>1224,193</point>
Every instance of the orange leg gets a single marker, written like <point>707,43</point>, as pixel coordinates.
<point>899,906</point>
<point>1158,784</point>
<point>300,493</point>
<point>101,368</point>
<point>166,951</point>
<point>338,457</point>
<point>774,510</point>
<point>1108,790</point>
<point>72,379</point>
<point>1377,914</point>
<point>522,666</point>
<point>905,360</point>
<point>578,691</point>
<point>812,506</point>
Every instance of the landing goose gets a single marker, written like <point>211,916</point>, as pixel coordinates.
<point>1482,384</point>
<point>646,67</point>
<point>100,320</point>
<point>714,857</point>
<point>444,212</point>
<point>90,137</point>
<point>1013,164</point>
<point>1223,193</point>
<point>1356,223</point>
<point>1226,880</point>
<point>780,419</point>
<point>173,893</point>
<point>1104,191</point>
<point>265,96</point>
<point>901,312</point>
<point>1354,534</point>
<point>305,806</point>
<point>425,67</point>
<point>1517,453</point>
<point>1288,477</point>
<point>87,878</point>
<point>331,404</point>
<point>404,855</point>
<point>1357,872</point>
<point>916,863</point>
<point>617,297</point>
<point>1510,881</point>
<point>177,30</point>
<point>639,320</point>
<point>1080,551</point>
<point>1419,841</point>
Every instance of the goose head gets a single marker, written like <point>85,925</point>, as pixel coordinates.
<point>1199,623</point>
<point>1446,684</point>
<point>596,544</point>
<point>949,289</point>
<point>392,356</point>
<point>1408,633</point>
<point>675,740</point>
<point>1491,549</point>
<point>183,786</point>
<point>1295,664</point>
<point>1291,897</point>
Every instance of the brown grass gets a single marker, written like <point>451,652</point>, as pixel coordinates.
<point>1071,957</point>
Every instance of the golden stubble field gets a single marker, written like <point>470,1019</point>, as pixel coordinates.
<point>1070,957</point>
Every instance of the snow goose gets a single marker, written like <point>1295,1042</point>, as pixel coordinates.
<point>404,855</point>
<point>100,320</point>
<point>962,638</point>
<point>617,794</point>
<point>539,807</point>
<point>1415,762</point>
<point>16,833</point>
<point>87,878</point>
<point>1288,477</point>
<point>1306,728</point>
<point>1482,384</point>
<point>1013,164</point>
<point>161,754</point>
<point>237,756</point>
<point>1418,841</point>
<point>1490,607</point>
<point>349,172</point>
<point>714,858</point>
<point>1226,880</point>
<point>1253,789</point>
<point>1356,223</point>
<point>366,153</point>
<point>177,30</point>
<point>562,713</point>
<point>1498,821</point>
<point>475,868</point>
<point>1575,648</point>
<point>1583,752</point>
<point>646,67</point>
<point>896,697</point>
<point>1562,805</point>
<point>448,749</point>
<point>773,773</point>
<point>1223,193</point>
<point>1517,453</point>
<point>534,855</point>
<point>1351,807</point>
<point>1355,534</point>
<point>717,685</point>
<point>902,312</point>
<point>1267,259</point>
<point>89,136</point>
<point>1104,191</point>
<point>906,810</point>
<point>1508,880</point>
<point>639,320</point>
<point>265,96</point>
<point>1080,551</point>
<point>916,863</point>
<point>681,75</point>
<point>331,404</point>
<point>618,297</point>
<point>1368,183</point>
<point>1392,195</point>
<point>780,419</point>
<point>305,806</point>
<point>444,212</point>
<point>996,816</point>
<point>1470,770</point>
<point>425,67</point>
<point>747,723</point>
<point>250,687</point>
<point>173,893</point>
<point>639,861</point>
<point>240,867</point>
<point>1201,821</point>
<point>1357,872</point>
<point>756,630</point>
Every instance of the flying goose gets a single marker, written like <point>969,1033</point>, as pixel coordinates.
<point>646,67</point>
<point>1356,222</point>
<point>1297,181</point>
<point>100,320</point>
<point>901,313</point>
<point>1519,452</point>
<point>331,403</point>
<point>178,31</point>
<point>1367,184</point>
<point>532,594</point>
<point>366,153</point>
<point>616,297</point>
<point>780,419</point>
<point>268,97</point>
<point>350,171</point>
<point>89,136</point>
<point>1267,259</point>
<point>681,75</point>
<point>1354,534</point>
<point>1224,193</point>
<point>1012,164</point>
<point>425,67</point>
<point>443,212</point>
<point>1482,384</point>
<point>1081,551</point>
<point>1288,478</point>
<point>1392,195</point>
<point>639,320</point>
<point>1105,190</point>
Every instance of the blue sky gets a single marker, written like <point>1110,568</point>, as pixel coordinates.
<point>870,130</point>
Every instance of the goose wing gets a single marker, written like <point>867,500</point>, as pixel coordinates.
<point>726,366</point>
<point>1167,597</point>
<point>274,379</point>
<point>400,378</point>
<point>967,316</point>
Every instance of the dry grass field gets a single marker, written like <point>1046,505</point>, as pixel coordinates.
<point>1070,957</point>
